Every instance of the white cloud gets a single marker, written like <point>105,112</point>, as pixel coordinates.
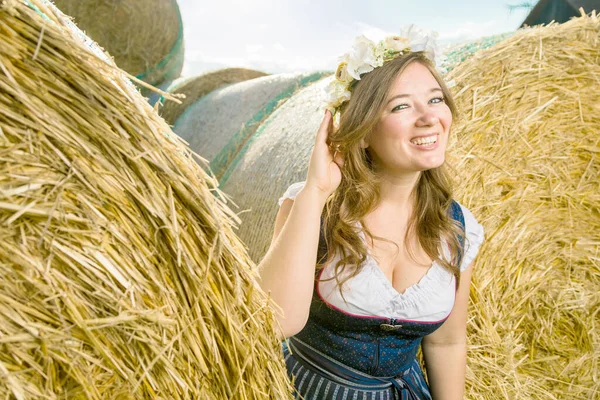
<point>372,32</point>
<point>290,36</point>
<point>468,30</point>
<point>254,48</point>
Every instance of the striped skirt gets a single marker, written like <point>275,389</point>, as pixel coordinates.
<point>312,384</point>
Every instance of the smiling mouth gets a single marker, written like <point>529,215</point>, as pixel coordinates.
<point>424,141</point>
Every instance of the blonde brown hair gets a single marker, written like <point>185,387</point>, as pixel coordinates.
<point>359,194</point>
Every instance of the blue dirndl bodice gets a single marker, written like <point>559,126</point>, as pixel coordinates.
<point>339,353</point>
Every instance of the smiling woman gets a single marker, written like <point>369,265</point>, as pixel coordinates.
<point>415,123</point>
<point>393,249</point>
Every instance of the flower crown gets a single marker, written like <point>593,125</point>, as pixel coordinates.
<point>367,55</point>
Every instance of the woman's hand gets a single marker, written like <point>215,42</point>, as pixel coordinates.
<point>324,169</point>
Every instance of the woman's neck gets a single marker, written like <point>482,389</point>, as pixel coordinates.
<point>397,190</point>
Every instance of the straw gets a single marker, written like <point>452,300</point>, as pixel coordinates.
<point>526,153</point>
<point>459,52</point>
<point>121,275</point>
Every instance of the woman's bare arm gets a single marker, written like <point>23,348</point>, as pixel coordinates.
<point>445,350</point>
<point>288,269</point>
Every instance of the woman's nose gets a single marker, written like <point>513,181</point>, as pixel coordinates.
<point>427,117</point>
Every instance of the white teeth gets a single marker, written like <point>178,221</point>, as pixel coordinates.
<point>425,141</point>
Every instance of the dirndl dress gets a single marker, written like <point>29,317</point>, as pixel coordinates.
<point>342,356</point>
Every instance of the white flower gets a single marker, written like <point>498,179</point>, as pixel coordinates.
<point>337,94</point>
<point>395,43</point>
<point>421,41</point>
<point>362,58</point>
<point>342,74</point>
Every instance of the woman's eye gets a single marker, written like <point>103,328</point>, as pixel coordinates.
<point>400,107</point>
<point>437,100</point>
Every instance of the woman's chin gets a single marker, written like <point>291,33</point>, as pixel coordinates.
<point>431,163</point>
<point>418,164</point>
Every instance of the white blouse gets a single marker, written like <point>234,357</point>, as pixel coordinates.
<point>370,293</point>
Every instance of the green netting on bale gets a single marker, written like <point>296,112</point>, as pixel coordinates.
<point>228,152</point>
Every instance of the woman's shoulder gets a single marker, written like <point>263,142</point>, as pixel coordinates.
<point>292,191</point>
<point>470,219</point>
<point>474,234</point>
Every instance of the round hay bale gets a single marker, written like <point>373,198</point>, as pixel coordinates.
<point>275,156</point>
<point>527,153</point>
<point>145,37</point>
<point>218,125</point>
<point>121,275</point>
<point>196,87</point>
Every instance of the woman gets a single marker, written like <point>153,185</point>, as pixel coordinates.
<point>394,250</point>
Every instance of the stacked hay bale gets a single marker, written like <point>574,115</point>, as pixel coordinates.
<point>219,125</point>
<point>145,37</point>
<point>121,275</point>
<point>196,87</point>
<point>273,158</point>
<point>527,152</point>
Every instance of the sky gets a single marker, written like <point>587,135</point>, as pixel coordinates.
<point>278,36</point>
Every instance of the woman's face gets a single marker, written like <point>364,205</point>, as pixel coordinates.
<point>413,130</point>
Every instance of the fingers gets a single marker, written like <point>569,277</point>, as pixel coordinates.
<point>338,159</point>
<point>330,123</point>
<point>334,149</point>
<point>325,128</point>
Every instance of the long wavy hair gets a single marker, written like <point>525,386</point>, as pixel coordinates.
<point>359,191</point>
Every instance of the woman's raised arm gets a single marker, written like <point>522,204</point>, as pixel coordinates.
<point>288,269</point>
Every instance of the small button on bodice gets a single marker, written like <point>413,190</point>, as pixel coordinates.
<point>389,327</point>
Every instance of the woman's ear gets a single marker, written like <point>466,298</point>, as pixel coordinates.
<point>363,143</point>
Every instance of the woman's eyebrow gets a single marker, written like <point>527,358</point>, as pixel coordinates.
<point>402,95</point>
